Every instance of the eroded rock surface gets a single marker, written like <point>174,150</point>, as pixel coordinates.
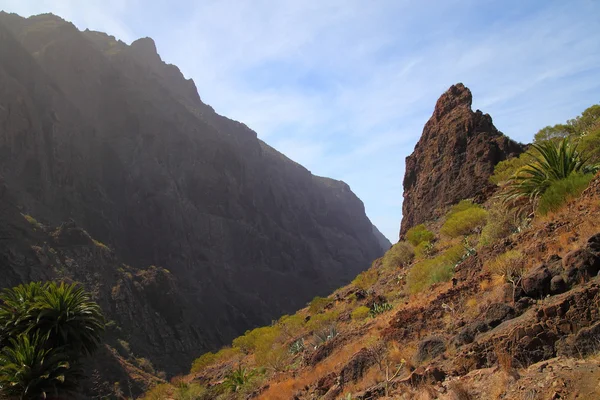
<point>454,158</point>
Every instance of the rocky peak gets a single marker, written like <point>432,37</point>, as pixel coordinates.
<point>453,159</point>
<point>457,96</point>
<point>145,50</point>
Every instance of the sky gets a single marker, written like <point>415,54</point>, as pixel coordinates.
<point>344,87</point>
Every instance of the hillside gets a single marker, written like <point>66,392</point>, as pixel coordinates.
<point>487,300</point>
<point>203,230</point>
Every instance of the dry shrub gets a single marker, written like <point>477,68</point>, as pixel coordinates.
<point>463,218</point>
<point>509,265</point>
<point>400,255</point>
<point>366,279</point>
<point>458,390</point>
<point>505,354</point>
<point>471,308</point>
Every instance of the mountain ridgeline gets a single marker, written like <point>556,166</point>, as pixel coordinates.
<point>185,226</point>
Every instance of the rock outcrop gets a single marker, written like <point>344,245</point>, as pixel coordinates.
<point>453,160</point>
<point>111,137</point>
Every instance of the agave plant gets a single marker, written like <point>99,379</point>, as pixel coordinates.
<point>324,335</point>
<point>554,162</point>
<point>297,347</point>
<point>379,309</point>
<point>28,370</point>
<point>237,378</point>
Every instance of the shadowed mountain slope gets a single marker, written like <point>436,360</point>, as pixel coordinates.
<point>109,136</point>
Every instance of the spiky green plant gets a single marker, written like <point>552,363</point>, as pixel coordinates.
<point>69,317</point>
<point>16,316</point>
<point>28,370</point>
<point>297,347</point>
<point>379,309</point>
<point>554,162</point>
<point>237,378</point>
<point>44,330</point>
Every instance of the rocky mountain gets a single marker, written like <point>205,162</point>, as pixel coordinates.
<point>453,159</point>
<point>119,166</point>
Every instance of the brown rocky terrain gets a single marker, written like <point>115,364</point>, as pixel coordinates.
<point>516,317</point>
<point>114,140</point>
<point>453,160</point>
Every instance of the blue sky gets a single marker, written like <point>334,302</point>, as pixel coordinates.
<point>344,87</point>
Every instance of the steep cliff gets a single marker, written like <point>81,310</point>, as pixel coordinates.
<point>453,159</point>
<point>109,136</point>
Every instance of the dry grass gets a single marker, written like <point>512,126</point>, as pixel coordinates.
<point>285,389</point>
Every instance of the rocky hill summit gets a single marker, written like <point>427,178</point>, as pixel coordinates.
<point>453,159</point>
<point>108,138</point>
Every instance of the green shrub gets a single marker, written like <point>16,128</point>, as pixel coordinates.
<point>203,361</point>
<point>590,145</point>
<point>366,279</point>
<point>360,313</point>
<point>424,249</point>
<point>159,392</point>
<point>318,303</point>
<point>506,169</point>
<point>251,340</point>
<point>463,219</point>
<point>418,234</point>
<point>275,357</point>
<point>320,321</point>
<point>291,324</point>
<point>438,269</point>
<point>510,265</point>
<point>401,254</point>
<point>501,222</point>
<point>560,192</point>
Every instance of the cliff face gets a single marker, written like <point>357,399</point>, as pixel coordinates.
<point>111,137</point>
<point>453,159</point>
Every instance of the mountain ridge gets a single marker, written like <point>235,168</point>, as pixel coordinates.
<point>111,137</point>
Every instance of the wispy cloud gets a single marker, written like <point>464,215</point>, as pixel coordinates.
<point>345,86</point>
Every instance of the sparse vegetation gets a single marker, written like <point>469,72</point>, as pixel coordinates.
<point>33,222</point>
<point>463,219</point>
<point>319,321</point>
<point>418,234</point>
<point>400,255</point>
<point>438,269</point>
<point>555,162</point>
<point>360,313</point>
<point>561,191</point>
<point>317,304</point>
<point>365,279</point>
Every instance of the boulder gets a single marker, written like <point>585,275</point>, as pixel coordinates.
<point>558,285</point>
<point>536,283</point>
<point>325,383</point>
<point>498,313</point>
<point>583,343</point>
<point>429,348</point>
<point>581,265</point>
